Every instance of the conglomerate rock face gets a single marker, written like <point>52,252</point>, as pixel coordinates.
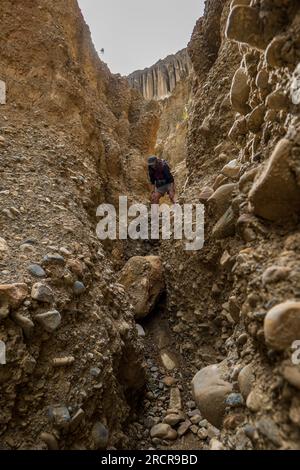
<point>158,82</point>
<point>242,302</point>
<point>69,131</point>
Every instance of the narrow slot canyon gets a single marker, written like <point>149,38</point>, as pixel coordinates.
<point>135,344</point>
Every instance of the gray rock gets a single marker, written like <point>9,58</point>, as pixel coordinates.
<point>78,288</point>
<point>270,430</point>
<point>36,270</point>
<point>54,258</point>
<point>234,399</point>
<point>100,436</point>
<point>95,371</point>
<point>42,293</point>
<point>60,416</point>
<point>184,427</point>
<point>49,320</point>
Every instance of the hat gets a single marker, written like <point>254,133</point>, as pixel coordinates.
<point>152,160</point>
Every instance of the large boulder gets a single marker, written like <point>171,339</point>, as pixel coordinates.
<point>210,391</point>
<point>275,194</point>
<point>142,278</point>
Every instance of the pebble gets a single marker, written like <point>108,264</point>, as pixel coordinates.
<point>184,427</point>
<point>175,399</point>
<point>196,419</point>
<point>36,270</point>
<point>78,288</point>
<point>42,293</point>
<point>291,373</point>
<point>245,380</point>
<point>173,419</point>
<point>60,415</point>
<point>140,330</point>
<point>53,259</point>
<point>202,433</point>
<point>163,431</point>
<point>50,321</point>
<point>234,399</point>
<point>194,429</point>
<point>95,371</point>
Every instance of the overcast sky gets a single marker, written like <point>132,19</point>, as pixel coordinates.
<point>137,33</point>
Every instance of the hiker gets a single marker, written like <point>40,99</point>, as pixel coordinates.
<point>161,179</point>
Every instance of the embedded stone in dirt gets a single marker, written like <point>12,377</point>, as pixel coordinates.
<point>174,418</point>
<point>276,195</point>
<point>221,199</point>
<point>275,274</point>
<point>184,427</point>
<point>210,392</point>
<point>291,373</point>
<point>245,380</point>
<point>167,361</point>
<point>282,325</point>
<point>11,296</point>
<point>277,100</point>
<point>295,86</point>
<point>225,227</point>
<point>163,431</point>
<point>142,278</point>
<point>205,194</point>
<point>244,25</point>
<point>78,288</point>
<point>140,330</point>
<point>42,293</point>
<point>60,416</point>
<point>175,399</point>
<point>36,270</point>
<point>49,320</point>
<point>240,90</point>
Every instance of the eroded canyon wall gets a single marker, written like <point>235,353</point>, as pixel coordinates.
<point>242,309</point>
<point>158,82</point>
<point>70,132</point>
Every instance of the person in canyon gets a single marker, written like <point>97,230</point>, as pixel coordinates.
<point>161,179</point>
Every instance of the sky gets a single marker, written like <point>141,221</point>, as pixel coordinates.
<point>137,33</point>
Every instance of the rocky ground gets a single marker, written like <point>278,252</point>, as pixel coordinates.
<point>145,345</point>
